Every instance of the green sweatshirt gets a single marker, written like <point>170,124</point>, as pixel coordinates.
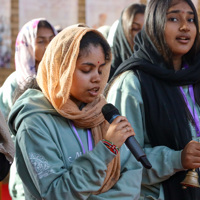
<point>7,92</point>
<point>125,94</point>
<point>50,160</point>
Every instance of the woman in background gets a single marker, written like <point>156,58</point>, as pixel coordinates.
<point>130,23</point>
<point>30,46</point>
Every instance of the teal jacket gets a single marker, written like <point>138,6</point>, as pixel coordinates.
<point>7,94</point>
<point>50,160</point>
<point>125,94</point>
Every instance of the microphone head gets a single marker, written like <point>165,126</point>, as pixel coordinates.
<point>109,110</point>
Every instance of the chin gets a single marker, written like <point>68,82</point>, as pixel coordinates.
<point>90,100</point>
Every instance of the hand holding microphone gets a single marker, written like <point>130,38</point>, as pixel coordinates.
<point>119,131</point>
<point>123,127</point>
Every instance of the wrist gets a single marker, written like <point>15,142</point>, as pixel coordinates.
<point>113,148</point>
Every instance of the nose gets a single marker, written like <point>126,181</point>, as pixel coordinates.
<point>184,26</point>
<point>96,77</point>
<point>47,43</point>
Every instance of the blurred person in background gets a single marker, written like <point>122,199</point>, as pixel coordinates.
<point>31,43</point>
<point>111,32</point>
<point>104,30</point>
<point>130,23</point>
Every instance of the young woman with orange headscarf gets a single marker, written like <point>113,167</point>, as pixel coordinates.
<point>65,149</point>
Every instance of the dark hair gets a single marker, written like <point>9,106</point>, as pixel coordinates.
<point>94,39</point>
<point>128,16</point>
<point>44,24</point>
<point>155,20</point>
<point>31,83</point>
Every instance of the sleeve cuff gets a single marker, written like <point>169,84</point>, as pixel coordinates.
<point>176,160</point>
<point>103,153</point>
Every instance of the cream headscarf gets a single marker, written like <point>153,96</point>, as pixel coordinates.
<point>25,51</point>
<point>55,76</point>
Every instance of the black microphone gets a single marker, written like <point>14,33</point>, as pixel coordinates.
<point>110,112</point>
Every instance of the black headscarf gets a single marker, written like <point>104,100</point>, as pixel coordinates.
<point>166,115</point>
<point>121,49</point>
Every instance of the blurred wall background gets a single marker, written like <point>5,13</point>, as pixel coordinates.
<point>15,13</point>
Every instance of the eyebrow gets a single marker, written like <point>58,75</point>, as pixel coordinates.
<point>178,11</point>
<point>136,23</point>
<point>45,36</point>
<point>93,65</point>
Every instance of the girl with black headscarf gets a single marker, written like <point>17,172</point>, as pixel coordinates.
<point>157,89</point>
<point>130,23</point>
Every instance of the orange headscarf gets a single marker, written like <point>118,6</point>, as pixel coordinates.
<point>55,75</point>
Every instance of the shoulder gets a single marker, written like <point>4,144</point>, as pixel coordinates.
<point>41,120</point>
<point>126,87</point>
<point>31,107</point>
<point>41,126</point>
<point>126,81</point>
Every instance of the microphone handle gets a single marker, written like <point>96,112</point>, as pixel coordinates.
<point>134,147</point>
<point>137,151</point>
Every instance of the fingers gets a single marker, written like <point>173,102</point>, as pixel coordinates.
<point>193,148</point>
<point>119,130</point>
<point>191,155</point>
<point>123,125</point>
<point>129,129</point>
<point>119,119</point>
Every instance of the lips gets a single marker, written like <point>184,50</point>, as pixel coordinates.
<point>183,38</point>
<point>94,91</point>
